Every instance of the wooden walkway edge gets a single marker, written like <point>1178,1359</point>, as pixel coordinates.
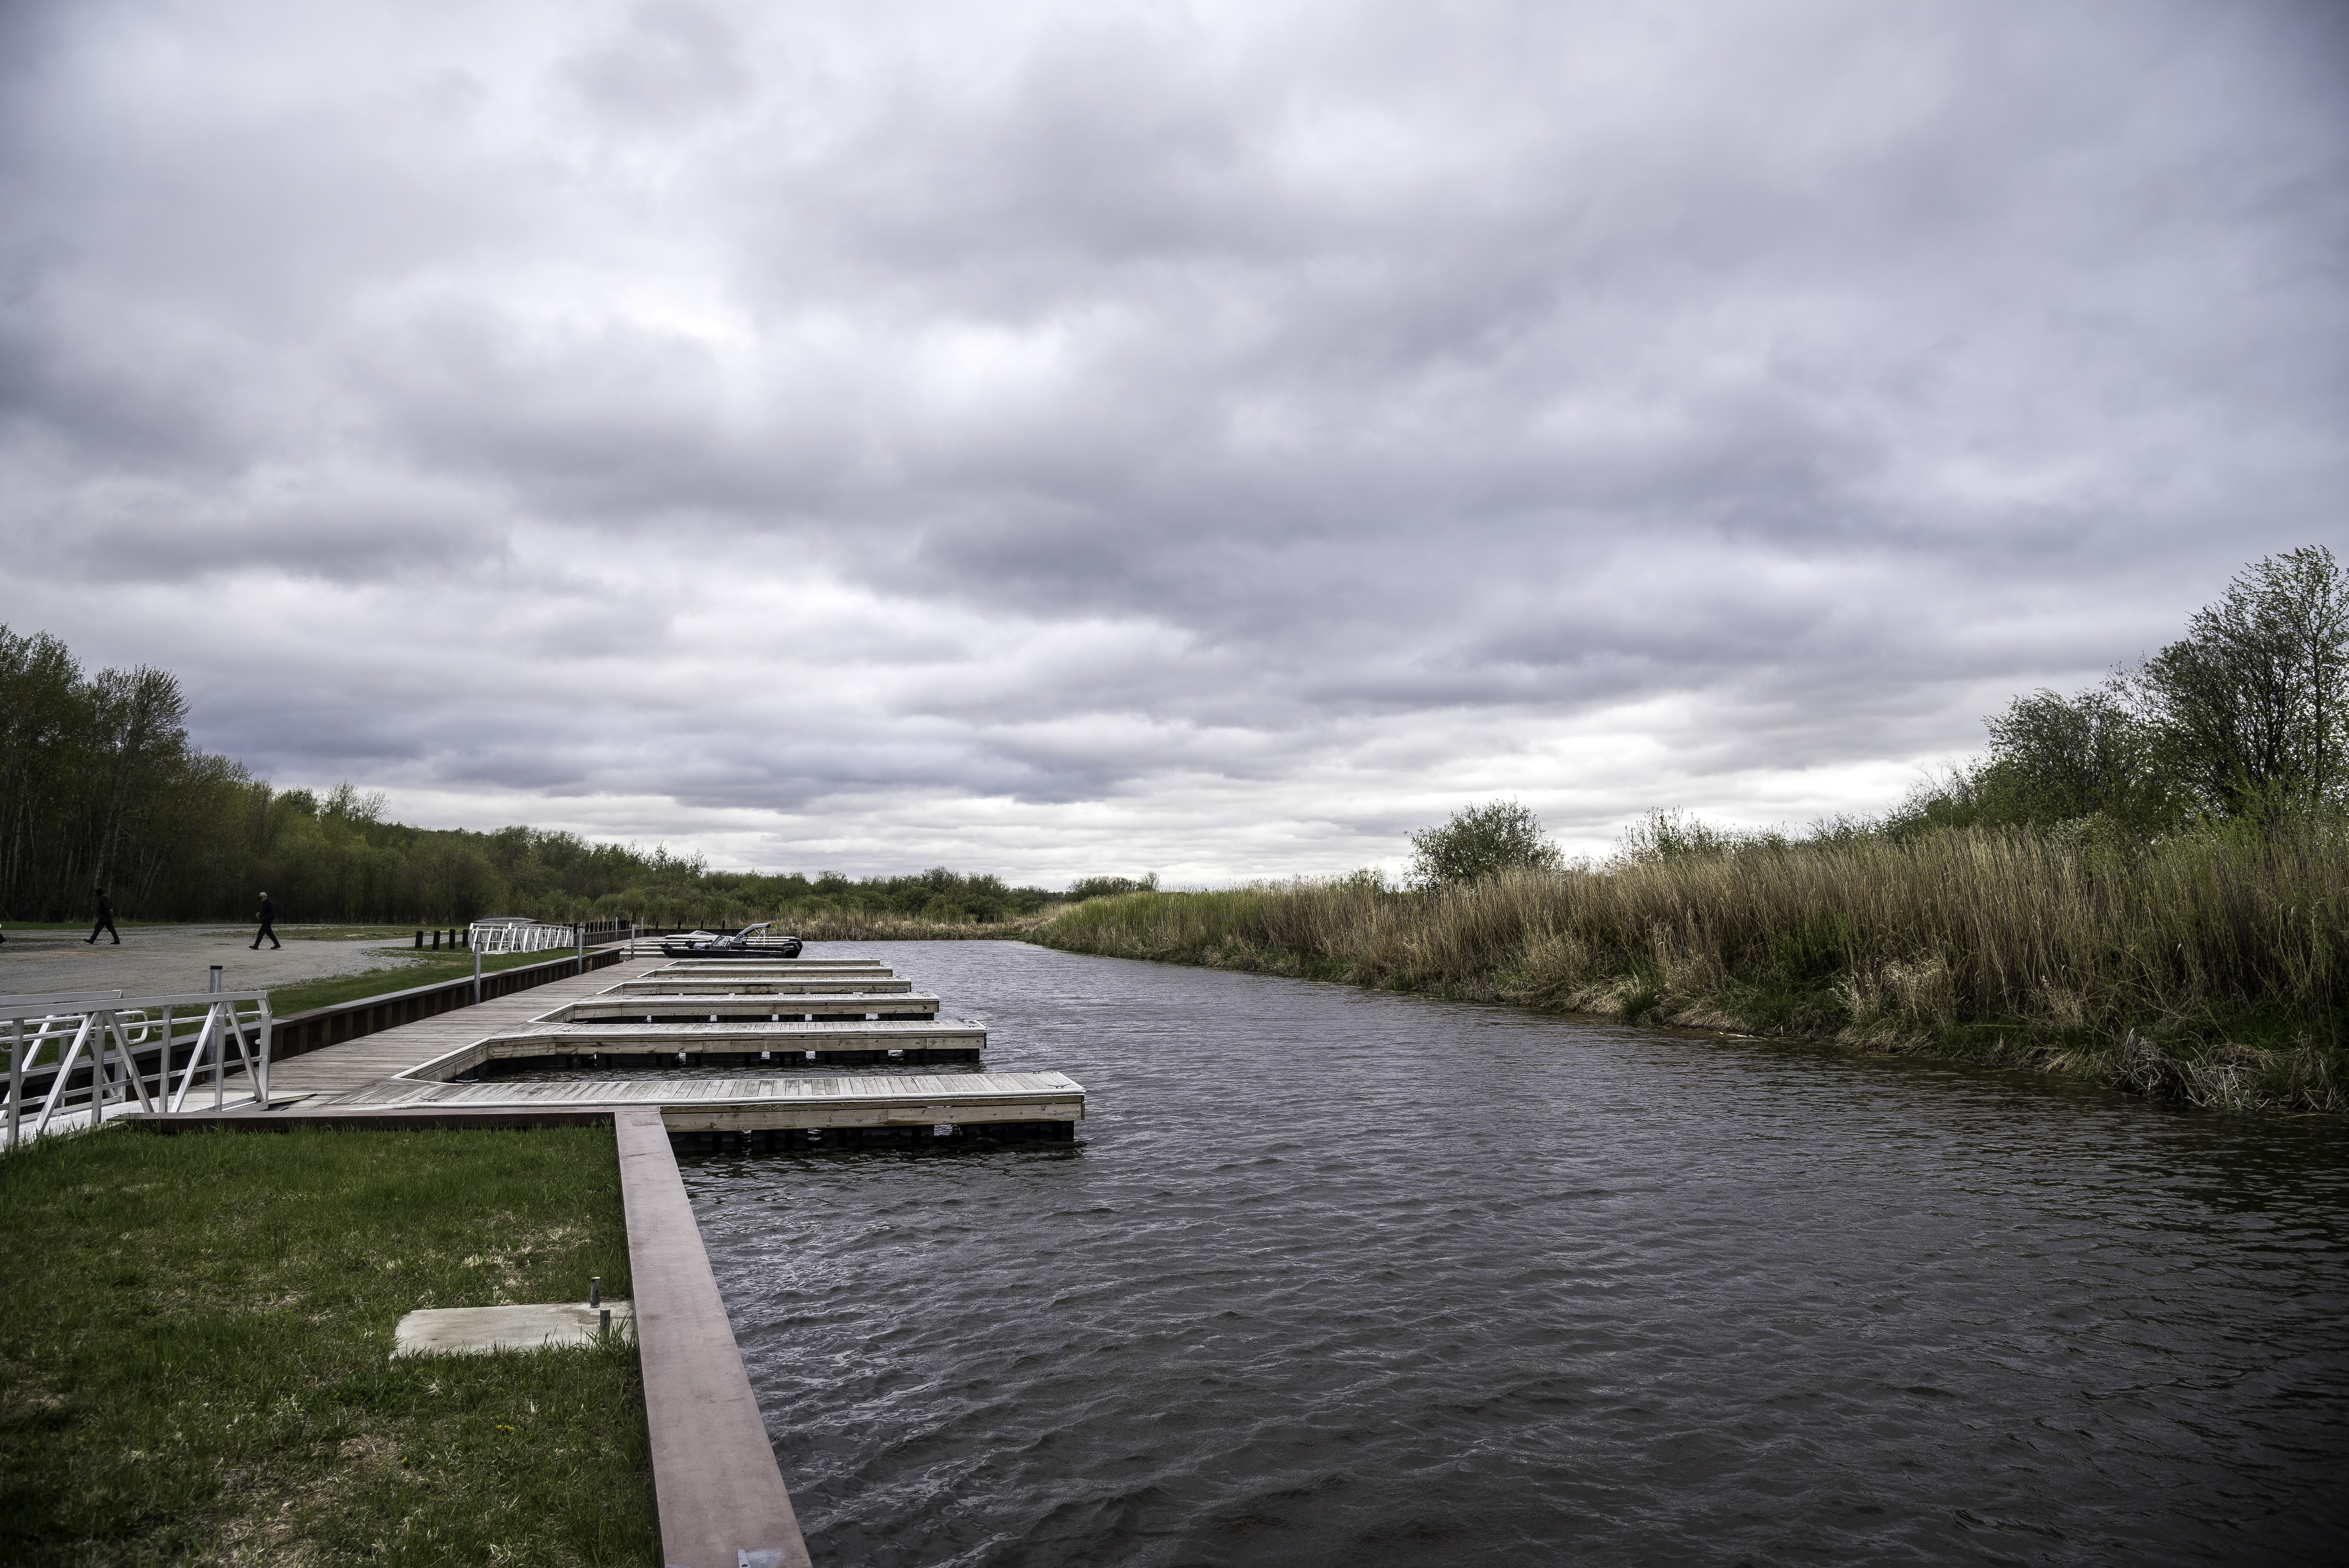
<point>720,1493</point>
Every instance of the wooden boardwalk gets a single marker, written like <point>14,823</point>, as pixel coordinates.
<point>371,1059</point>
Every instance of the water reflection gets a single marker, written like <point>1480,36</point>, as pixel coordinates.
<point>1339,1278</point>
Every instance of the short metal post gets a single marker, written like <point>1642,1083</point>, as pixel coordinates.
<point>595,1291</point>
<point>477,975</point>
<point>420,939</point>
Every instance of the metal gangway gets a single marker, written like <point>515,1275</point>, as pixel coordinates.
<point>77,1056</point>
<point>515,936</point>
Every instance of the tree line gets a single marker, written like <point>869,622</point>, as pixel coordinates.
<point>2243,719</point>
<point>99,787</point>
<point>2243,722</point>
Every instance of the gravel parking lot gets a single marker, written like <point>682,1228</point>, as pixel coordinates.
<point>155,960</point>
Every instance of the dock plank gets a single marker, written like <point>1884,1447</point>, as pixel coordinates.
<point>720,1495</point>
<point>600,1038</point>
<point>789,1004</point>
<point>753,1103</point>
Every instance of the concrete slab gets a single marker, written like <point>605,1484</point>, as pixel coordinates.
<point>478,1330</point>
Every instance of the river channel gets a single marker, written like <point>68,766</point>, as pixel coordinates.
<point>1336,1277</point>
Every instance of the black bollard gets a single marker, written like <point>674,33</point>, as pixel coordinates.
<point>420,939</point>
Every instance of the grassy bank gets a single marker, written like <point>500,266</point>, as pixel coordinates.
<point>303,995</point>
<point>195,1344</point>
<point>2208,968</point>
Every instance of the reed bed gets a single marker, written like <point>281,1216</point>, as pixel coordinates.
<point>2208,968</point>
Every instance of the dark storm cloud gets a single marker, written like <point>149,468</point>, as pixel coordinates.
<point>1167,418</point>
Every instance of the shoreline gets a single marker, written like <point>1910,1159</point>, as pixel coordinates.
<point>2155,1058</point>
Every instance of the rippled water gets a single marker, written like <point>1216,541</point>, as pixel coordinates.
<point>1336,1277</point>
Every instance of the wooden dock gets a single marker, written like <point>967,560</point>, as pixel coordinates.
<point>764,1104</point>
<point>719,1493</point>
<point>740,1007</point>
<point>721,1498</point>
<point>333,1070</point>
<point>733,1044</point>
<point>853,982</point>
<point>590,1020</point>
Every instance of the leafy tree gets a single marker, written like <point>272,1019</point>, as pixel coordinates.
<point>1675,835</point>
<point>2248,709</point>
<point>2055,757</point>
<point>1478,841</point>
<point>1106,887</point>
<point>2058,759</point>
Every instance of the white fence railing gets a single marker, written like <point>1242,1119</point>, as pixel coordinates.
<point>74,1056</point>
<point>518,936</point>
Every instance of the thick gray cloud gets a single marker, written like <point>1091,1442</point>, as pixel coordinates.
<point>1216,438</point>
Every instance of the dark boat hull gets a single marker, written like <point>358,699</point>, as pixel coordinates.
<point>728,947</point>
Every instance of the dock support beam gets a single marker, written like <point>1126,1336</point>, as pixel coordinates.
<point>720,1495</point>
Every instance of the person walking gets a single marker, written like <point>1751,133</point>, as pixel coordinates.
<point>268,917</point>
<point>105,918</point>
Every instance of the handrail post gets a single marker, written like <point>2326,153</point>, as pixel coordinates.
<point>220,1040</point>
<point>477,975</point>
<point>16,1078</point>
<point>264,1052</point>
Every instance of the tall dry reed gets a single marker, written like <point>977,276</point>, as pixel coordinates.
<point>2006,945</point>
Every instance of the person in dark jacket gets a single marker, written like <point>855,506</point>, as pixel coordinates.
<point>268,916</point>
<point>105,918</point>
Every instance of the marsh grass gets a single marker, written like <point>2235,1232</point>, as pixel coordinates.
<point>195,1352</point>
<point>2208,968</point>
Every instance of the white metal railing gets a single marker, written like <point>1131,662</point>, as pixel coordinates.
<point>105,1051</point>
<point>518,936</point>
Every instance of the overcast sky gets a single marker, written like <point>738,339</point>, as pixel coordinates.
<point>1060,438</point>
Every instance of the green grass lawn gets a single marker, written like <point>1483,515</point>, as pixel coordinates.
<point>194,1349</point>
<point>303,995</point>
